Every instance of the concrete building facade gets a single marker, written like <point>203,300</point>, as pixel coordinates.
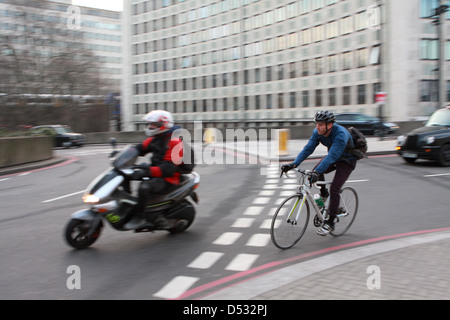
<point>250,63</point>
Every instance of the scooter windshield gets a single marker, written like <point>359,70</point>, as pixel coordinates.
<point>126,158</point>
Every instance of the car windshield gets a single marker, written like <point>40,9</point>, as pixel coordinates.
<point>440,118</point>
<point>63,129</point>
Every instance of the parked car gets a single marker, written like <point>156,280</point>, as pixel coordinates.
<point>63,135</point>
<point>366,124</point>
<point>429,142</point>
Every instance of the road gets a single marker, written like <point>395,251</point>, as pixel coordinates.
<point>228,242</point>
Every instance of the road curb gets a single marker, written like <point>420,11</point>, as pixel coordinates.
<point>31,166</point>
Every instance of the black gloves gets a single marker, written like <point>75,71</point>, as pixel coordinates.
<point>140,171</point>
<point>314,177</point>
<point>287,167</point>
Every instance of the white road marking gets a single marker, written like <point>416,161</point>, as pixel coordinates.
<point>227,238</point>
<point>242,223</point>
<point>176,287</point>
<point>242,262</point>
<point>258,240</point>
<point>261,200</point>
<point>436,175</point>
<point>253,211</point>
<point>206,260</point>
<point>64,196</point>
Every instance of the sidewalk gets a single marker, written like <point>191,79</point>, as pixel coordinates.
<point>413,267</point>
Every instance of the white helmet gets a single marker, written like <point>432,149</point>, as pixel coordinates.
<point>159,121</point>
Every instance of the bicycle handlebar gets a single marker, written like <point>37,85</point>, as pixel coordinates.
<point>307,173</point>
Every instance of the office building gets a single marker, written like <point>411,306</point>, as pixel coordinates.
<point>250,63</point>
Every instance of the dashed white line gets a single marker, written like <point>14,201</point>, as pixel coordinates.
<point>227,238</point>
<point>261,200</point>
<point>242,262</point>
<point>176,287</point>
<point>253,211</point>
<point>205,260</point>
<point>258,240</point>
<point>242,223</point>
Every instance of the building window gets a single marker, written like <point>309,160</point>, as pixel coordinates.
<point>332,96</point>
<point>292,100</point>
<point>269,101</point>
<point>268,73</point>
<point>305,68</point>
<point>305,99</point>
<point>332,63</point>
<point>346,96</point>
<point>429,49</point>
<point>448,91</point>
<point>427,7</point>
<point>362,94</point>
<point>319,98</point>
<point>428,90</point>
<point>292,70</point>
<point>346,60</point>
<point>280,101</point>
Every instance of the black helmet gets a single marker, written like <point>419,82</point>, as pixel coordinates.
<point>325,116</point>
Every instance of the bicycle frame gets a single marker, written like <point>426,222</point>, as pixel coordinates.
<point>305,192</point>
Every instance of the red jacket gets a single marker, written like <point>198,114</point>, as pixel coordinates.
<point>167,153</point>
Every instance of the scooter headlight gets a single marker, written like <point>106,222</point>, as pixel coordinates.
<point>90,199</point>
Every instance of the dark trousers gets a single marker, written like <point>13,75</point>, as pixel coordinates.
<point>148,188</point>
<point>343,171</point>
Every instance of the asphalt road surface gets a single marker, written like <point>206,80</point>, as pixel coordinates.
<point>228,242</point>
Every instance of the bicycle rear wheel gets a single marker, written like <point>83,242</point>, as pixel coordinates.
<point>289,222</point>
<point>348,207</point>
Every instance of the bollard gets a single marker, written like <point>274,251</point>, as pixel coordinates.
<point>283,139</point>
<point>209,136</point>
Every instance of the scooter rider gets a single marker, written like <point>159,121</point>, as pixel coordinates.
<point>162,169</point>
<point>336,138</point>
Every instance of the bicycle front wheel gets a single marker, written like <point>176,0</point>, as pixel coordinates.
<point>289,222</point>
<point>348,207</point>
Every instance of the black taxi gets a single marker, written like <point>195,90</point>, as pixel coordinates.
<point>430,142</point>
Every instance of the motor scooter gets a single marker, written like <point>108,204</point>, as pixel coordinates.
<point>110,198</point>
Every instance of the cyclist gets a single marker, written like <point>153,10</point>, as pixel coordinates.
<point>338,140</point>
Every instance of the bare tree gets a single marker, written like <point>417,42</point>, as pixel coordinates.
<point>40,55</point>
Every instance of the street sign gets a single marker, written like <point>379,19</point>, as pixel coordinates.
<point>380,97</point>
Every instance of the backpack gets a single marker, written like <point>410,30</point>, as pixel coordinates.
<point>360,144</point>
<point>188,163</point>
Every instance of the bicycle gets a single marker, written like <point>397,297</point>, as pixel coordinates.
<point>292,216</point>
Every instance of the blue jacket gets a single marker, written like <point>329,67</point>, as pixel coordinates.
<point>336,143</point>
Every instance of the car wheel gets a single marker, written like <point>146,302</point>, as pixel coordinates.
<point>444,156</point>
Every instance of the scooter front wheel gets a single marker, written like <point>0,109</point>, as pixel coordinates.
<point>76,233</point>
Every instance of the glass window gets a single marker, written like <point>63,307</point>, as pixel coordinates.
<point>292,100</point>
<point>305,99</point>
<point>427,7</point>
<point>428,90</point>
<point>332,96</point>
<point>362,94</point>
<point>346,96</point>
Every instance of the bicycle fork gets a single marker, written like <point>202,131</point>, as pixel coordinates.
<point>294,213</point>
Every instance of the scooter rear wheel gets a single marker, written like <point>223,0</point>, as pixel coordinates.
<point>76,234</point>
